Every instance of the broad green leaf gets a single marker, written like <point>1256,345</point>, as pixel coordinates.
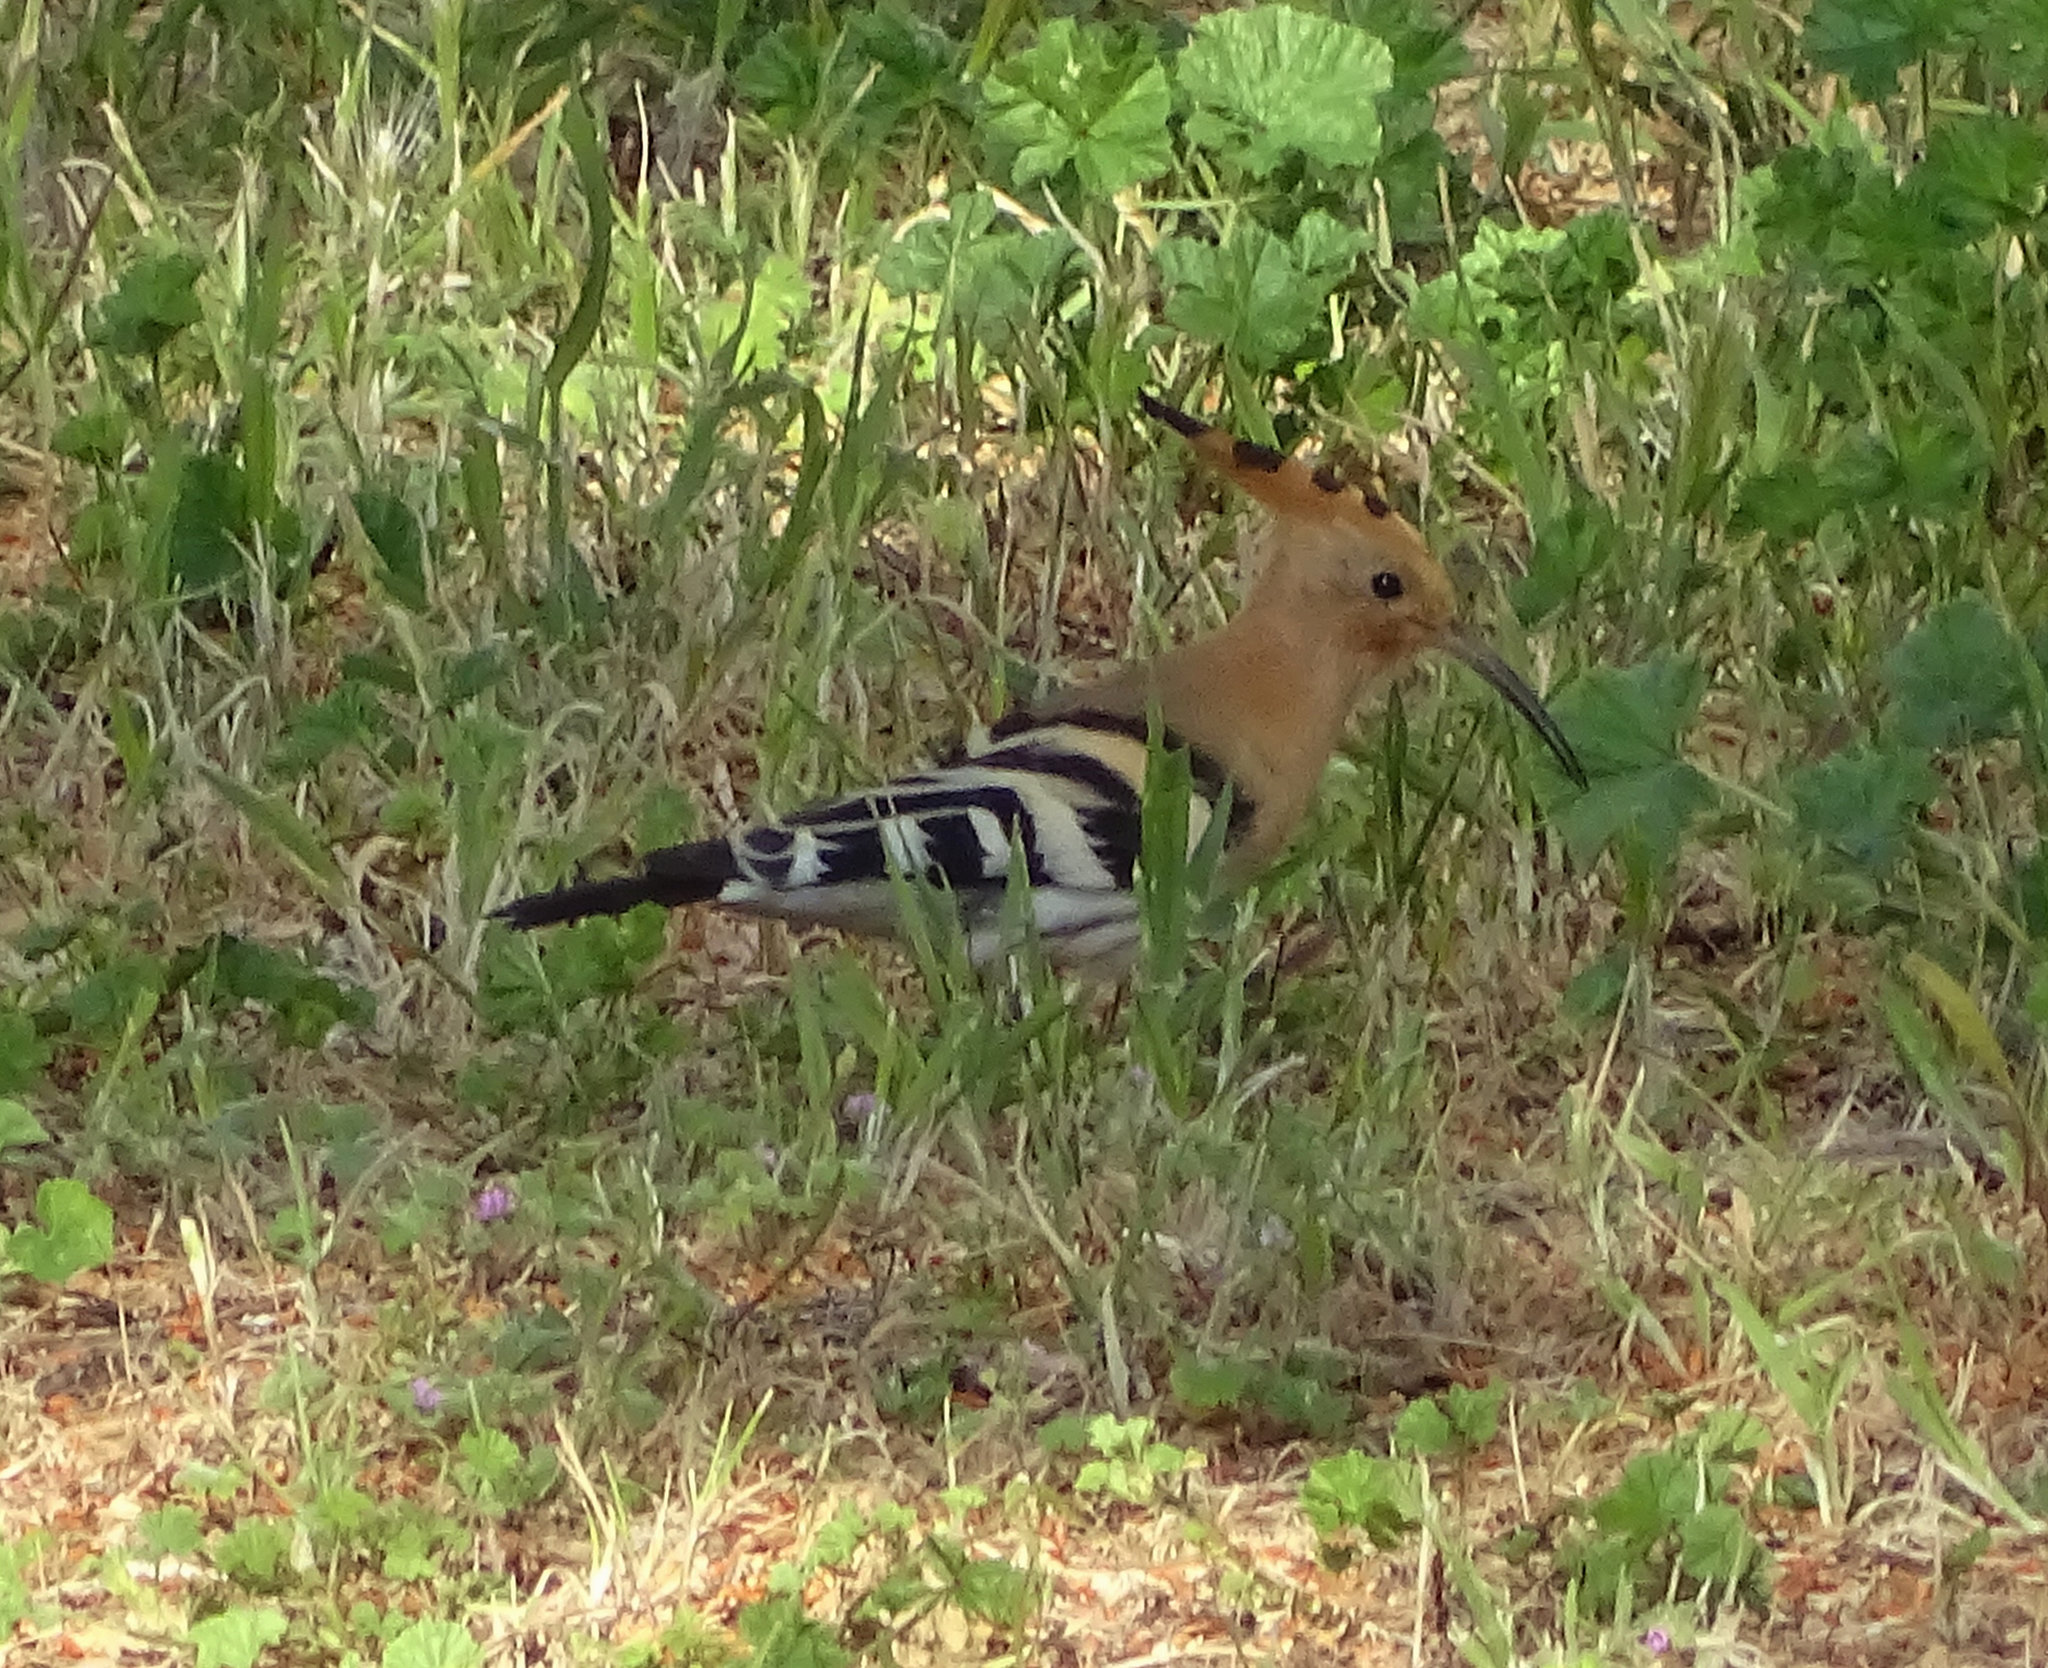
<point>23,1053</point>
<point>1206,1384</point>
<point>991,276</point>
<point>778,296</point>
<point>1870,41</point>
<point>98,437</point>
<point>1626,724</point>
<point>155,299</point>
<point>394,533</point>
<point>19,1127</point>
<point>1569,549</point>
<point>1359,1491</point>
<point>1985,170</point>
<point>208,527</point>
<point>236,1637</point>
<point>77,1232</point>
<point>1423,1428</point>
<point>1261,297</point>
<point>434,1642</point>
<point>1715,1545</point>
<point>1957,679</point>
<point>993,1590</point>
<point>1864,804</point>
<point>1081,97</point>
<point>1272,83</point>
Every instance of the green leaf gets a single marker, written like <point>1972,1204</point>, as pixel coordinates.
<point>1273,83</point>
<point>77,1232</point>
<point>1260,296</point>
<point>777,297</point>
<point>1475,1414</point>
<point>1863,805</point>
<point>305,1005</point>
<point>1423,1428</point>
<point>990,276</point>
<point>170,1532</point>
<point>279,822</point>
<point>1596,989</point>
<point>1985,170</point>
<point>994,1591</point>
<point>208,526</point>
<point>1569,549</point>
<point>236,1637</point>
<point>1082,97</point>
<point>782,1636</point>
<point>1714,1545</point>
<point>1956,679</point>
<point>395,534</point>
<point>1204,1385</point>
<point>23,1053</point>
<point>434,1643</point>
<point>98,437</point>
<point>1358,1491</point>
<point>1870,41</point>
<point>18,1125</point>
<point>1626,724</point>
<point>156,298</point>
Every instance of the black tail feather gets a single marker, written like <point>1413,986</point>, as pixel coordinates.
<point>673,876</point>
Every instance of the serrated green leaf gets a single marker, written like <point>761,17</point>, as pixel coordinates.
<point>236,1637</point>
<point>1714,1544</point>
<point>23,1052</point>
<point>1082,97</point>
<point>1870,41</point>
<point>156,298</point>
<point>1259,296</point>
<point>1423,1428</point>
<point>433,1642</point>
<point>1272,83</point>
<point>1864,804</point>
<point>1956,679</point>
<point>1207,1384</point>
<point>98,437</point>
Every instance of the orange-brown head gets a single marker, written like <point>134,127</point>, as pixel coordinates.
<point>1361,568</point>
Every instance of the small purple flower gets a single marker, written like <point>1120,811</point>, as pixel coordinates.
<point>1141,1077</point>
<point>425,1397</point>
<point>494,1203</point>
<point>1656,1641</point>
<point>862,1105</point>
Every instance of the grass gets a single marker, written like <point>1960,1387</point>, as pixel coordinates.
<point>447,449</point>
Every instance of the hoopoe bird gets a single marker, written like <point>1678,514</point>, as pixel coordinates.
<point>1347,597</point>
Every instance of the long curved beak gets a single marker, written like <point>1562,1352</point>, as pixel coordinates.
<point>1496,671</point>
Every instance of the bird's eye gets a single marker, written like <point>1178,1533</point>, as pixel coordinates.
<point>1386,585</point>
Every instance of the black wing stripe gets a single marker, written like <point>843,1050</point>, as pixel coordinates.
<point>1109,785</point>
<point>1203,766</point>
<point>1117,835</point>
<point>851,844</point>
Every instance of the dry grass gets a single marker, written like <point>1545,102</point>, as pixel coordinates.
<point>1823,1181</point>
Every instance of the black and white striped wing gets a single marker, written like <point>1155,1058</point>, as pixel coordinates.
<point>1057,798</point>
